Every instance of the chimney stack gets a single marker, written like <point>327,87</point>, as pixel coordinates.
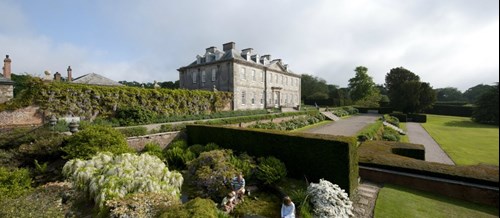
<point>70,78</point>
<point>57,77</point>
<point>6,67</point>
<point>211,49</point>
<point>228,46</point>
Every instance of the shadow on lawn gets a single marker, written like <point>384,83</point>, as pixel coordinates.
<point>469,124</point>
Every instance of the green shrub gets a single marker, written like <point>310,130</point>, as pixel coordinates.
<point>134,131</point>
<point>14,182</point>
<point>196,208</point>
<point>134,115</point>
<point>392,120</point>
<point>270,170</point>
<point>371,132</point>
<point>245,164</point>
<point>390,134</point>
<point>153,148</point>
<point>178,158</point>
<point>88,142</point>
<point>198,149</point>
<point>106,177</point>
<point>211,173</point>
<point>172,128</point>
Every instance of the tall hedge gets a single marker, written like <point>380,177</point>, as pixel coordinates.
<point>90,101</point>
<point>314,156</point>
<point>451,110</point>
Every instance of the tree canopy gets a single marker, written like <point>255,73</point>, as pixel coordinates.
<point>449,94</point>
<point>487,107</point>
<point>313,87</point>
<point>361,85</point>
<point>406,92</point>
<point>472,94</point>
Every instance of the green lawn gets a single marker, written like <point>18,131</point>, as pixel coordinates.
<point>395,201</point>
<point>466,142</point>
<point>324,122</point>
<point>404,138</point>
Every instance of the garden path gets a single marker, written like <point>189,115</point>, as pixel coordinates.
<point>346,127</point>
<point>433,152</point>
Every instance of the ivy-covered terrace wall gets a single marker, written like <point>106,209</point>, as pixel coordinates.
<point>89,101</point>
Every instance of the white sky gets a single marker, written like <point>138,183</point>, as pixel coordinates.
<point>449,43</point>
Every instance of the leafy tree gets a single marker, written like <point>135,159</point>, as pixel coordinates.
<point>361,85</point>
<point>21,82</point>
<point>406,92</point>
<point>381,89</point>
<point>472,94</point>
<point>449,94</point>
<point>487,107</point>
<point>170,84</point>
<point>311,85</point>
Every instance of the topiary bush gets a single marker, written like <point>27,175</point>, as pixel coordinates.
<point>93,139</point>
<point>106,177</point>
<point>211,173</point>
<point>329,200</point>
<point>270,170</point>
<point>196,208</point>
<point>14,182</point>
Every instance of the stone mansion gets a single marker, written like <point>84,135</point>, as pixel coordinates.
<point>257,82</point>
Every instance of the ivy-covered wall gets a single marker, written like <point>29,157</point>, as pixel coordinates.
<point>89,101</point>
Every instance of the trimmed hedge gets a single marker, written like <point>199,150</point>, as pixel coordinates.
<point>314,156</point>
<point>408,157</point>
<point>451,110</point>
<point>381,110</point>
<point>418,118</point>
<point>401,117</point>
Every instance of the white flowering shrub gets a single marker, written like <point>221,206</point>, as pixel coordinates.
<point>106,177</point>
<point>329,200</point>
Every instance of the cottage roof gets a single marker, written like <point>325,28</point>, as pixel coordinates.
<point>95,79</point>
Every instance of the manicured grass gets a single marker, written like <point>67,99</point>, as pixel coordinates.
<point>395,201</point>
<point>466,142</point>
<point>404,138</point>
<point>324,122</point>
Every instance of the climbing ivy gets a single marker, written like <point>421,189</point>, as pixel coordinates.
<point>89,101</point>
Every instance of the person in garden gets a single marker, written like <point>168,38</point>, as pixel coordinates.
<point>238,186</point>
<point>287,208</point>
<point>228,202</point>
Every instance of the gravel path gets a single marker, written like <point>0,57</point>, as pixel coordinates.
<point>346,127</point>
<point>433,152</point>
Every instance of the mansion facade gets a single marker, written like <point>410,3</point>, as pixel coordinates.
<point>257,82</point>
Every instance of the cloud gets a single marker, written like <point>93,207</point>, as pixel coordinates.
<point>448,43</point>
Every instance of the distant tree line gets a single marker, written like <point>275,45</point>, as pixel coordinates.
<point>166,84</point>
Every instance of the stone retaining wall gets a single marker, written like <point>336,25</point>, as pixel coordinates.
<point>21,117</point>
<point>163,139</point>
